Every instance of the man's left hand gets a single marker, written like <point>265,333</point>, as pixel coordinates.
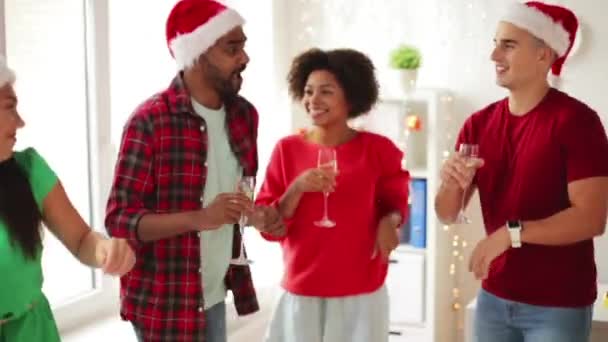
<point>268,220</point>
<point>487,250</point>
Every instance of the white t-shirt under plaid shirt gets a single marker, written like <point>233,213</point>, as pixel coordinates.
<point>223,170</point>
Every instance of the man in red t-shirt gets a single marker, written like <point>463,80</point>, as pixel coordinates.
<point>542,177</point>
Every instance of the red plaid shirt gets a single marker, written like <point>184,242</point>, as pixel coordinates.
<point>161,168</point>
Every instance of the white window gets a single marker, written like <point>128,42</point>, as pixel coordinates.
<point>139,57</point>
<point>48,44</point>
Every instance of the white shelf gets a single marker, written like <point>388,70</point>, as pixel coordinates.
<point>406,288</point>
<point>423,158</point>
<point>418,173</point>
<point>407,248</point>
<point>424,94</point>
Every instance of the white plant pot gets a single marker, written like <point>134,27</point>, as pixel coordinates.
<point>408,79</point>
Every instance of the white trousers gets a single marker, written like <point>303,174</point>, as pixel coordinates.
<point>362,318</point>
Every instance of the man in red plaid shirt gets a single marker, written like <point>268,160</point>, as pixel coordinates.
<point>173,194</point>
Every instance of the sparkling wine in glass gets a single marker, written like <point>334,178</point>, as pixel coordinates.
<point>470,152</point>
<point>245,185</point>
<point>326,160</point>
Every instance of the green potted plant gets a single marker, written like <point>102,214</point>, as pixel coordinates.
<point>407,60</point>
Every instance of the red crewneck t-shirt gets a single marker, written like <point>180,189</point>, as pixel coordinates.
<point>529,161</point>
<point>334,262</point>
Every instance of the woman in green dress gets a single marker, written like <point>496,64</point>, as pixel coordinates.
<point>31,194</point>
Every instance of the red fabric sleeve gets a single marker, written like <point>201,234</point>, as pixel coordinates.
<point>393,183</point>
<point>583,139</point>
<point>274,185</point>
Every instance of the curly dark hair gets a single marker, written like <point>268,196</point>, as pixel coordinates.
<point>353,70</point>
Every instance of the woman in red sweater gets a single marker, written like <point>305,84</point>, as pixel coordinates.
<point>334,274</point>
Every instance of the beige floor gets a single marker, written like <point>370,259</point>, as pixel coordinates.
<point>240,329</point>
<point>107,328</point>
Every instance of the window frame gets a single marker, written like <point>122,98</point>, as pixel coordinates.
<point>103,298</point>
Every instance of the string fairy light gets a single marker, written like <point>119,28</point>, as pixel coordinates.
<point>469,33</point>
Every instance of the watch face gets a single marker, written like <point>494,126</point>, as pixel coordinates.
<point>513,224</point>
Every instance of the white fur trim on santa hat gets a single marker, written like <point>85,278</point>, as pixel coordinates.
<point>7,76</point>
<point>538,24</point>
<point>188,47</point>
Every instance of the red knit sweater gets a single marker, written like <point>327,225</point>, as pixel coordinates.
<point>332,262</point>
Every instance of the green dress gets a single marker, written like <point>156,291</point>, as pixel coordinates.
<point>23,306</point>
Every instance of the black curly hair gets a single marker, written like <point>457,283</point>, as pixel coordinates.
<point>353,70</point>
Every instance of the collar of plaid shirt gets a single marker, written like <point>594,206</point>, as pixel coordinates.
<point>166,141</point>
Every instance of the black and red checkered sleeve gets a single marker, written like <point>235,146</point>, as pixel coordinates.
<point>133,180</point>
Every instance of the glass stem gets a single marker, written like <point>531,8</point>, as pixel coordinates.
<point>325,196</point>
<point>464,194</point>
<point>242,255</point>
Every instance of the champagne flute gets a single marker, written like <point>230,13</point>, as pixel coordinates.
<point>245,185</point>
<point>470,152</point>
<point>326,160</point>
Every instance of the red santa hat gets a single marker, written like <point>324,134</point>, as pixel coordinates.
<point>555,25</point>
<point>194,26</point>
<point>7,76</point>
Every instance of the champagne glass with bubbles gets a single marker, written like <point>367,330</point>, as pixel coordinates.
<point>326,161</point>
<point>470,152</point>
<point>245,185</point>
